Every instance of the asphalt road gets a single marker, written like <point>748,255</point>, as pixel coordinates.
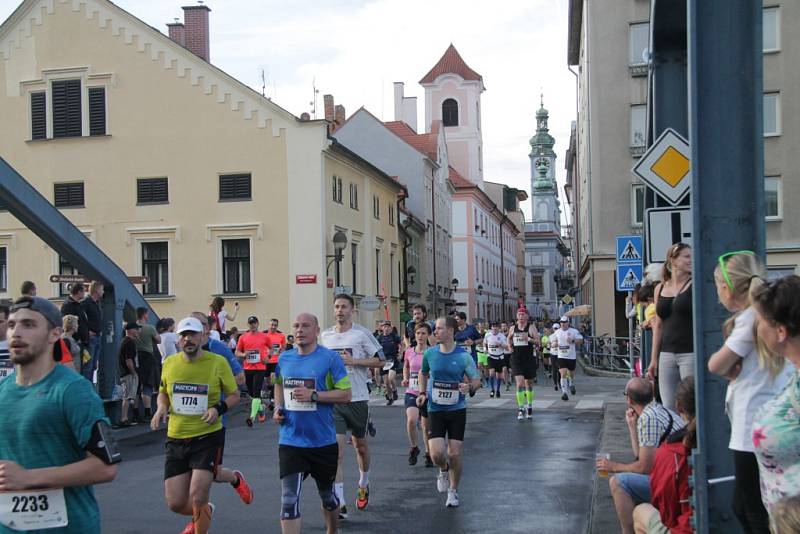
<point>519,477</point>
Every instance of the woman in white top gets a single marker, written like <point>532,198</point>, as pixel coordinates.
<point>752,382</point>
<point>169,339</point>
<point>220,316</point>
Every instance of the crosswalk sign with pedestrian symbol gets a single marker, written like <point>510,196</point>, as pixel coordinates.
<point>628,276</point>
<point>629,262</point>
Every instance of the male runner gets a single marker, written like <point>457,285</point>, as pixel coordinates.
<point>467,336</point>
<point>390,342</point>
<point>507,352</point>
<point>522,336</point>
<point>360,352</point>
<point>192,382</point>
<point>277,344</point>
<point>55,441</point>
<point>308,381</point>
<point>442,386</point>
<point>253,346</point>
<point>495,344</point>
<point>563,341</point>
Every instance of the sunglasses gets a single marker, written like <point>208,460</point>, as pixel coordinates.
<point>723,264</point>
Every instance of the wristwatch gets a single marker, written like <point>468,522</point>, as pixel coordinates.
<point>314,396</point>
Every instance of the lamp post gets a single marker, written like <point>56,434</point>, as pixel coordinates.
<point>339,242</point>
<point>453,289</point>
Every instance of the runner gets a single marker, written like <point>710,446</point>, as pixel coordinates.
<point>442,387</point>
<point>522,336</point>
<point>564,341</point>
<point>412,363</point>
<point>390,342</point>
<point>55,433</point>
<point>467,336</point>
<point>507,352</point>
<point>277,344</point>
<point>308,381</point>
<point>495,344</point>
<point>192,382</point>
<point>253,346</point>
<point>360,352</point>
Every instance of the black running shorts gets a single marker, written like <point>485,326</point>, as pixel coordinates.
<point>566,364</point>
<point>526,367</point>
<point>255,381</point>
<point>497,364</point>
<point>203,452</point>
<point>319,462</point>
<point>410,401</point>
<point>447,424</point>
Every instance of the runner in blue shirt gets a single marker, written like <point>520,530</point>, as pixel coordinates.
<point>467,336</point>
<point>443,386</point>
<point>309,380</point>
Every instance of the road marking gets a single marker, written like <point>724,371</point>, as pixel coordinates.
<point>590,404</point>
<point>542,404</point>
<point>492,403</point>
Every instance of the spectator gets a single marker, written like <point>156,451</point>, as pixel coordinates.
<point>649,424</point>
<point>94,320</point>
<point>751,385</point>
<point>169,339</point>
<point>129,379</point>
<point>233,338</point>
<point>4,354</point>
<point>214,332</point>
<point>786,516</point>
<point>673,339</point>
<point>220,316</point>
<point>73,306</point>
<point>147,369</point>
<point>776,426</point>
<point>671,511</point>
<point>70,326</point>
<point>28,289</point>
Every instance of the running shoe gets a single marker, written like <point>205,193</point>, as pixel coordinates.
<point>428,460</point>
<point>249,422</point>
<point>261,416</point>
<point>412,456</point>
<point>508,386</point>
<point>389,401</point>
<point>491,394</point>
<point>497,393</point>
<point>443,481</point>
<point>529,414</point>
<point>555,388</point>
<point>371,429</point>
<point>243,489</point>
<point>535,379</point>
<point>564,397</point>
<point>343,512</point>
<point>362,497</point>
<point>394,394</point>
<point>452,499</point>
<point>189,528</point>
<point>521,414</point>
<point>271,405</point>
<point>572,389</point>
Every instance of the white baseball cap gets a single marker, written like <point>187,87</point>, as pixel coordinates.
<point>189,324</point>
<point>556,326</point>
<point>564,319</point>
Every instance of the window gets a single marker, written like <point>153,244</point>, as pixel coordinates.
<point>337,191</point>
<point>376,206</point>
<point>68,195</point>
<point>772,197</point>
<point>354,264</point>
<point>353,195</point>
<point>65,267</point>
<point>377,270</point>
<point>152,191</point>
<point>637,205</point>
<point>537,284</point>
<point>391,274</point>
<point>66,108</point>
<point>155,266</point>
<point>638,42</point>
<point>3,269</point>
<point>450,112</point>
<point>38,115</point>
<point>236,266</point>
<point>638,125</point>
<point>771,29</point>
<point>97,111</point>
<point>772,114</point>
<point>234,187</point>
<point>391,214</point>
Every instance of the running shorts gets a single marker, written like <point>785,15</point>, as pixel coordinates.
<point>410,401</point>
<point>255,381</point>
<point>203,452</point>
<point>497,364</point>
<point>566,364</point>
<point>352,416</point>
<point>447,424</point>
<point>483,359</point>
<point>526,367</point>
<point>319,462</point>
<point>271,368</point>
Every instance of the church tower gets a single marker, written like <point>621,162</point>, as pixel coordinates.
<point>544,191</point>
<point>453,95</point>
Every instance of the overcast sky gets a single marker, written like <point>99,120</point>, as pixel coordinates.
<point>356,49</point>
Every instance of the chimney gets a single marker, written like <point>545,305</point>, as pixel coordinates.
<point>196,34</point>
<point>339,114</point>
<point>405,107</point>
<point>177,32</point>
<point>399,89</point>
<point>329,112</point>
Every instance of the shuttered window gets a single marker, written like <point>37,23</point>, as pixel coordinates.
<point>66,108</point>
<point>69,195</point>
<point>38,115</point>
<point>152,191</point>
<point>235,187</point>
<point>97,111</point>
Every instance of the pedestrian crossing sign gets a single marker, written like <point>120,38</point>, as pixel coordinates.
<point>628,276</point>
<point>629,249</point>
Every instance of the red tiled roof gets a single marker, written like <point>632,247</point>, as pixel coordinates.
<point>459,181</point>
<point>425,143</point>
<point>451,63</point>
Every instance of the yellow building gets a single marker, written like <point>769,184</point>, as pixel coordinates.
<point>178,171</point>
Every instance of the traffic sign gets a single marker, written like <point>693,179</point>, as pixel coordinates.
<point>666,166</point>
<point>137,280</point>
<point>628,276</point>
<point>68,278</point>
<point>567,299</point>
<point>370,304</point>
<point>629,249</point>
<point>665,227</point>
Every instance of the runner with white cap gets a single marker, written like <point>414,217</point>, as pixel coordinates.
<point>563,342</point>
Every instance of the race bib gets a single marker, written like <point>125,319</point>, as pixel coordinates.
<point>6,368</point>
<point>413,382</point>
<point>520,339</point>
<point>276,349</point>
<point>253,356</point>
<point>293,404</point>
<point>495,350</point>
<point>349,353</point>
<point>189,399</point>
<point>563,351</point>
<point>445,393</point>
<point>33,510</point>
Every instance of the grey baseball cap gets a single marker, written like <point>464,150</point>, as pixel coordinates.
<point>40,305</point>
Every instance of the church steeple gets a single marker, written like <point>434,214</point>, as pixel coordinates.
<point>544,194</point>
<point>542,143</point>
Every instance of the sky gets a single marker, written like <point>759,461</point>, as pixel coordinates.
<point>356,49</point>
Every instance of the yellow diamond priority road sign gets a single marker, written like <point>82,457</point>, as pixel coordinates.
<point>666,166</point>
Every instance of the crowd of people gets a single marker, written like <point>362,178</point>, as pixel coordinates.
<point>759,359</point>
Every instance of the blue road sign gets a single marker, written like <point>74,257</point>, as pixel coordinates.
<point>629,249</point>
<point>628,276</point>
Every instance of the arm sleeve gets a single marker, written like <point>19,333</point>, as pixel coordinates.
<point>82,408</point>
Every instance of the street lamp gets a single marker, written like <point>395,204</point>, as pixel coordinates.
<point>339,242</point>
<point>411,271</point>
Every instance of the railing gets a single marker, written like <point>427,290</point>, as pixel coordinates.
<point>609,353</point>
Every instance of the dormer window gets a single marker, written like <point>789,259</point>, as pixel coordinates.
<point>450,112</point>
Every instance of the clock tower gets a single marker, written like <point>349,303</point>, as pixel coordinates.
<point>544,191</point>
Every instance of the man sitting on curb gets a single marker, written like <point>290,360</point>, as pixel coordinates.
<point>649,424</point>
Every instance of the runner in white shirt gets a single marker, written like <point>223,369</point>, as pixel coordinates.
<point>360,352</point>
<point>496,345</point>
<point>563,343</point>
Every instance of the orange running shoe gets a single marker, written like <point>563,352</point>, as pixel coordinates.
<point>243,489</point>
<point>189,528</point>
<point>362,497</point>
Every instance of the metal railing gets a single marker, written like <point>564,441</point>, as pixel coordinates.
<point>609,353</point>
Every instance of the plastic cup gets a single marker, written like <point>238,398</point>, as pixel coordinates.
<point>602,456</point>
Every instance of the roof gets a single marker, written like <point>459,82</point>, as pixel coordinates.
<point>451,63</point>
<point>459,181</point>
<point>425,143</point>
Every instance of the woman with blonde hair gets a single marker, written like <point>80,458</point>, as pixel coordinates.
<point>69,324</point>
<point>672,355</point>
<point>753,382</point>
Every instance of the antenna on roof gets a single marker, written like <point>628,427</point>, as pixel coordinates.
<point>313,102</point>
<point>263,83</point>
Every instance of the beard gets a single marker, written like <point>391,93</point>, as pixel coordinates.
<point>27,355</point>
<point>191,350</point>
